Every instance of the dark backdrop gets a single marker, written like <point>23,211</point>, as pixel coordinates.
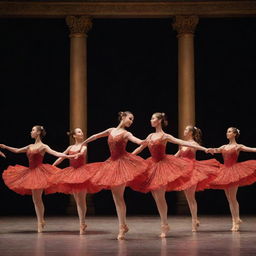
<point>132,65</point>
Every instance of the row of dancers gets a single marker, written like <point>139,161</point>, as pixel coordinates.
<point>158,174</point>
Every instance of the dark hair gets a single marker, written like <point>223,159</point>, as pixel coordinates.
<point>121,114</point>
<point>163,117</point>
<point>196,133</point>
<point>41,129</point>
<point>235,131</point>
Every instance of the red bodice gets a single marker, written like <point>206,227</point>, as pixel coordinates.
<point>157,149</point>
<point>230,156</point>
<point>34,158</point>
<point>188,153</point>
<point>117,145</point>
<point>76,162</point>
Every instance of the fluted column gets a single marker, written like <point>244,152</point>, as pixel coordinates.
<point>79,27</point>
<point>185,27</point>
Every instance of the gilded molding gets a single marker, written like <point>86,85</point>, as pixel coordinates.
<point>124,9</point>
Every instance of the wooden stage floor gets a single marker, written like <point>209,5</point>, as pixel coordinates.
<point>18,237</point>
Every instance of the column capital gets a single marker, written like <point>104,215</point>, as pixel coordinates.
<point>79,25</point>
<point>185,24</point>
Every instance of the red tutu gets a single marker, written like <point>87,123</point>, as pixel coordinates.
<point>120,168</point>
<point>116,172</point>
<point>74,179</point>
<point>203,171</point>
<point>232,173</point>
<point>24,179</point>
<point>165,172</point>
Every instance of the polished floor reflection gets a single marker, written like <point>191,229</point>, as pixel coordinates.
<point>18,237</point>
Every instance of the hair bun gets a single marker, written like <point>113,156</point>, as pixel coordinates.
<point>122,114</point>
<point>41,129</point>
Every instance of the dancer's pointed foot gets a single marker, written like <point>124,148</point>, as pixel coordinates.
<point>164,230</point>
<point>40,226</point>
<point>236,225</point>
<point>122,230</point>
<point>195,225</point>
<point>83,227</point>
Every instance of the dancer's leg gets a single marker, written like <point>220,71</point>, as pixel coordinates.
<point>190,195</point>
<point>39,208</point>
<point>80,199</point>
<point>159,196</point>
<point>118,196</point>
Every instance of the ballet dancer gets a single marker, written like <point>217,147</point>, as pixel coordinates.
<point>36,178</point>
<point>75,178</point>
<point>165,172</point>
<point>233,174</point>
<point>120,168</point>
<point>203,171</point>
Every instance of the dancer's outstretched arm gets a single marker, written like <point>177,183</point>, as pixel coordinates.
<point>216,150</point>
<point>60,159</point>
<point>15,150</point>
<point>246,149</point>
<point>133,139</point>
<point>97,136</point>
<point>174,140</point>
<point>139,149</point>
<point>142,146</point>
<point>55,153</point>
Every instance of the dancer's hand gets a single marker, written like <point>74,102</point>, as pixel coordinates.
<point>75,156</point>
<point>2,154</point>
<point>144,142</point>
<point>2,146</point>
<point>209,150</point>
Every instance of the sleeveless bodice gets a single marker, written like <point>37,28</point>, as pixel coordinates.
<point>76,162</point>
<point>188,153</point>
<point>230,156</point>
<point>34,158</point>
<point>157,149</point>
<point>117,145</point>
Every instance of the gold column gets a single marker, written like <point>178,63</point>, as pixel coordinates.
<point>79,27</point>
<point>185,27</point>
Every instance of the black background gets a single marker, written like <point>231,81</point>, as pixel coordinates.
<point>132,65</point>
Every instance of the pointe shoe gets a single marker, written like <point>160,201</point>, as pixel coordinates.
<point>195,225</point>
<point>164,230</point>
<point>122,230</point>
<point>82,228</point>
<point>40,226</point>
<point>236,225</point>
<point>233,225</point>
